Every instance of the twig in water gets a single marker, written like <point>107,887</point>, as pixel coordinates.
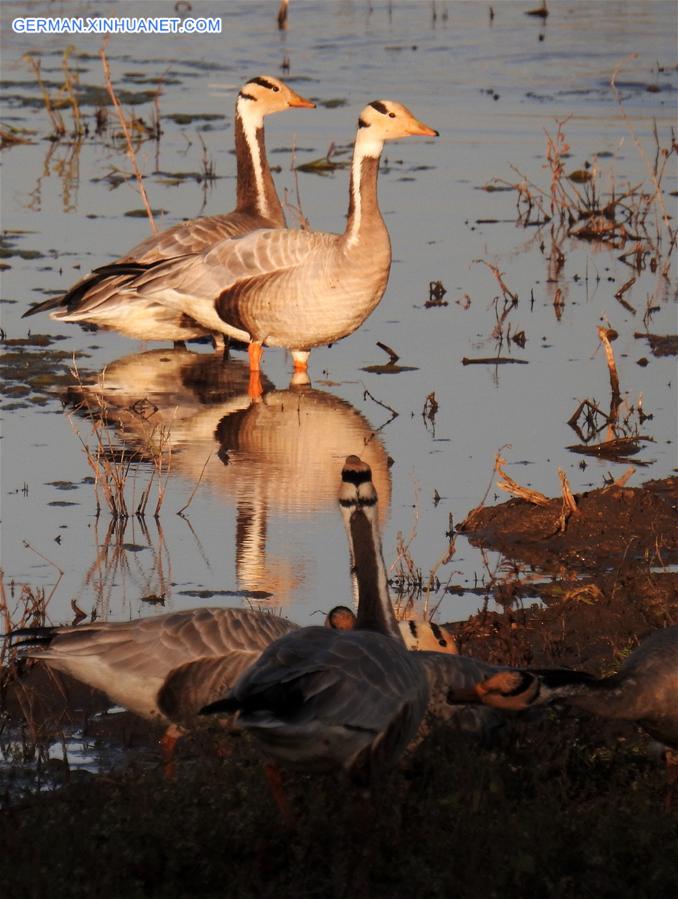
<point>128,137</point>
<point>190,499</point>
<point>604,337</point>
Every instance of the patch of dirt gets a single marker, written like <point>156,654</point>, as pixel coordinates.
<point>611,525</point>
<point>608,589</point>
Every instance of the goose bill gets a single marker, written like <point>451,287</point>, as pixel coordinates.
<point>419,129</point>
<point>297,100</point>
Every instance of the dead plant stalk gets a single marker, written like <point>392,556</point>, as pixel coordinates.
<point>128,137</point>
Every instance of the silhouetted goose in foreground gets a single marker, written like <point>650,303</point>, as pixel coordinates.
<point>96,298</point>
<point>295,289</point>
<point>323,699</point>
<point>644,690</point>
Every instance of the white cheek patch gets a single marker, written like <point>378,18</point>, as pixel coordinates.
<point>369,144</point>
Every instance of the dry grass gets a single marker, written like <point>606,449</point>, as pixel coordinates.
<point>116,468</point>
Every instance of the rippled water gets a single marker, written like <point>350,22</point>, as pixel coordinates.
<point>263,521</point>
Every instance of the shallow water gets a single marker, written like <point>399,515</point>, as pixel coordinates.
<point>263,524</point>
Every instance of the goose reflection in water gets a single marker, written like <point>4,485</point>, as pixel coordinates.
<point>281,454</point>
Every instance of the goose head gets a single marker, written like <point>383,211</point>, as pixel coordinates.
<point>383,120</point>
<point>341,618</point>
<point>508,690</point>
<point>264,95</point>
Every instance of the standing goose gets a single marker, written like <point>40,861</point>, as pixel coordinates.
<point>644,690</point>
<point>323,699</point>
<point>96,298</point>
<point>295,289</point>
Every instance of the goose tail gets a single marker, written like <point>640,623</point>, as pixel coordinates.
<point>226,706</point>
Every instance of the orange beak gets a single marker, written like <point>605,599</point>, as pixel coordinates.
<point>297,100</point>
<point>419,129</point>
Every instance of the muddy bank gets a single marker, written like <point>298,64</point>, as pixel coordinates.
<point>610,525</point>
<point>583,597</point>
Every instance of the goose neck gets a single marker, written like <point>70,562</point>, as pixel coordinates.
<point>375,611</point>
<point>256,193</point>
<point>609,697</point>
<point>364,216</point>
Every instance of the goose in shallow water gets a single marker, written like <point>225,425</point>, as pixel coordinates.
<point>295,289</point>
<point>323,699</point>
<point>644,690</point>
<point>97,299</point>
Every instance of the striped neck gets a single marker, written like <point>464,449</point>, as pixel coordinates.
<point>256,193</point>
<point>363,207</point>
<point>358,501</point>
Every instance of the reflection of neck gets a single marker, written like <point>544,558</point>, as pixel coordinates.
<point>363,208</point>
<point>250,543</point>
<point>375,612</point>
<point>256,192</point>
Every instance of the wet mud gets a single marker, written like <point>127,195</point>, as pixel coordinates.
<point>585,595</point>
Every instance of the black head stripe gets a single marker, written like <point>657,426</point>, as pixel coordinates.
<point>246,96</point>
<point>379,106</point>
<point>525,682</point>
<point>356,476</point>
<point>363,124</point>
<point>264,82</point>
<point>438,634</point>
<point>358,502</point>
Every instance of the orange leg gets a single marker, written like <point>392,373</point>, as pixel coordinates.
<point>300,360</point>
<point>274,778</point>
<point>255,352</point>
<point>169,740</point>
<point>255,389</point>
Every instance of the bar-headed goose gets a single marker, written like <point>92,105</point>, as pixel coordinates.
<point>163,668</point>
<point>323,699</point>
<point>96,298</point>
<point>417,635</point>
<point>295,289</point>
<point>644,690</point>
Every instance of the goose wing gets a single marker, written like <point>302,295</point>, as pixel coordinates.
<point>320,698</point>
<point>197,683</point>
<point>154,646</point>
<point>194,236</point>
<point>282,261</point>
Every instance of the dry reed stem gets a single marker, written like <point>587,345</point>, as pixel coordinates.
<point>303,222</point>
<point>508,485</point>
<point>500,280</point>
<point>624,478</point>
<point>54,114</point>
<point>651,170</point>
<point>611,365</point>
<point>569,504</point>
<point>69,80</point>
<point>128,138</point>
<point>498,461</point>
<point>195,489</point>
<point>4,613</point>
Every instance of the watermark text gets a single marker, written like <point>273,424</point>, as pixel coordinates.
<point>116,25</point>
